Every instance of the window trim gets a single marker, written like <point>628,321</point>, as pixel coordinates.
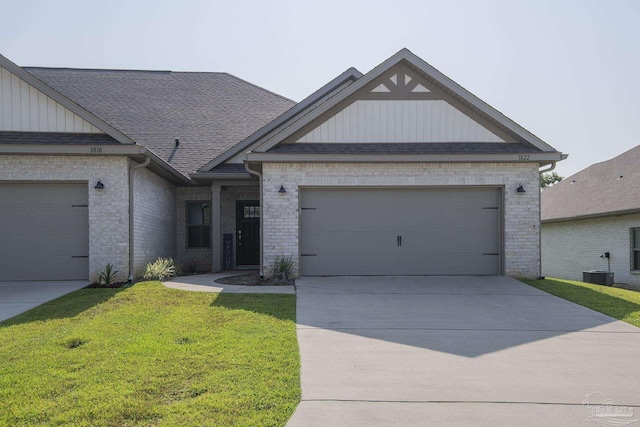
<point>634,247</point>
<point>188,225</point>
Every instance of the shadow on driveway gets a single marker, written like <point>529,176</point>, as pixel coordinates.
<point>23,302</point>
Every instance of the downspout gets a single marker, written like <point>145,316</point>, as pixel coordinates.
<point>549,169</point>
<point>131,236</point>
<point>259,175</point>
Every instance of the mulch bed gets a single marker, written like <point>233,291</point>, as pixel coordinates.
<point>112,286</point>
<point>253,279</point>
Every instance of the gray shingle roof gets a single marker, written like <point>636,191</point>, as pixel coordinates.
<point>208,112</point>
<point>607,187</point>
<point>404,148</point>
<point>11,137</point>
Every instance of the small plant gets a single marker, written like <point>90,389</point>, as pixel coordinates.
<point>282,267</point>
<point>161,269</point>
<point>107,277</point>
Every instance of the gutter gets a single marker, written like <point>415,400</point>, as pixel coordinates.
<point>259,175</point>
<point>131,234</point>
<point>549,169</point>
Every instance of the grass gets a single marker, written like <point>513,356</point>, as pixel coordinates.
<point>618,303</point>
<point>151,356</point>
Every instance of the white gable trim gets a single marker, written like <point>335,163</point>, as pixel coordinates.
<point>23,108</point>
<point>64,101</point>
<point>420,66</point>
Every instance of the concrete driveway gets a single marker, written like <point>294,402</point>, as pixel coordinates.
<point>459,351</point>
<point>18,297</point>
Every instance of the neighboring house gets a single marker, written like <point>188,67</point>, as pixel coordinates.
<point>399,171</point>
<point>591,213</point>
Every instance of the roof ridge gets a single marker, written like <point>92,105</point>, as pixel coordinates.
<point>98,69</point>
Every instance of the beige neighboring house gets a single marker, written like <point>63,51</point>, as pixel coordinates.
<point>593,213</point>
<point>399,171</point>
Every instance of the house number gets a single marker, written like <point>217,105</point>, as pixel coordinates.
<point>523,157</point>
<point>95,150</point>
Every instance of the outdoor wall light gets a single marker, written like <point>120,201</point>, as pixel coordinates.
<point>99,185</point>
<point>521,189</point>
<point>282,190</point>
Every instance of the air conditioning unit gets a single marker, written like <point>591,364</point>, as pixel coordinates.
<point>598,277</point>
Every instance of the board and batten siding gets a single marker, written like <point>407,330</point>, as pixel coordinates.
<point>370,121</point>
<point>25,108</point>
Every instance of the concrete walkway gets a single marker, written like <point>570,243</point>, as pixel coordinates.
<point>18,297</point>
<point>452,351</point>
<point>206,283</point>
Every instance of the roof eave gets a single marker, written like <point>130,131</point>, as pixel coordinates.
<point>591,216</point>
<point>350,75</point>
<point>134,151</point>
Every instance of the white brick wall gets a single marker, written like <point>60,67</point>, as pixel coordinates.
<point>521,210</point>
<point>154,218</point>
<point>571,247</point>
<point>108,208</point>
<point>194,258</point>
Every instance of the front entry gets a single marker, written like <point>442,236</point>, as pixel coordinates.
<point>248,232</point>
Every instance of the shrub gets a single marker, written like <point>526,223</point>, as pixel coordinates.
<point>281,267</point>
<point>107,277</point>
<point>161,269</point>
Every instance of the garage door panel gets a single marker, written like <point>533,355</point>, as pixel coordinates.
<point>443,231</point>
<point>380,264</point>
<point>44,232</point>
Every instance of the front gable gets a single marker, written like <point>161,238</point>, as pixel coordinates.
<point>25,108</point>
<point>400,106</point>
<point>403,110</point>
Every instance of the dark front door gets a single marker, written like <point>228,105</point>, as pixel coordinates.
<point>248,232</point>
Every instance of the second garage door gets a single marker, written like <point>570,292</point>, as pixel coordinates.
<point>400,231</point>
<point>44,231</point>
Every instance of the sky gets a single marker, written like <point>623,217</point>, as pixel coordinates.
<point>566,70</point>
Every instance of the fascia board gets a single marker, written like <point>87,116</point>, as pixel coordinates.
<point>406,158</point>
<point>591,216</point>
<point>64,101</point>
<point>476,102</point>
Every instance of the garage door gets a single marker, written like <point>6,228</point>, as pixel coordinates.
<point>44,232</point>
<point>400,231</point>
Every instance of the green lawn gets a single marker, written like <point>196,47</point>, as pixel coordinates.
<point>615,302</point>
<point>149,355</point>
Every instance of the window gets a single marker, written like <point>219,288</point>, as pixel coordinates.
<point>635,248</point>
<point>251,212</point>
<point>198,224</point>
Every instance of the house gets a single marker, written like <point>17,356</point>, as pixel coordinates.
<point>399,171</point>
<point>591,221</point>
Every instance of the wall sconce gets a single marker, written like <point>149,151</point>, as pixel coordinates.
<point>282,190</point>
<point>521,189</point>
<point>99,185</point>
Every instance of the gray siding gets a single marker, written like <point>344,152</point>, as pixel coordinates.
<point>571,247</point>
